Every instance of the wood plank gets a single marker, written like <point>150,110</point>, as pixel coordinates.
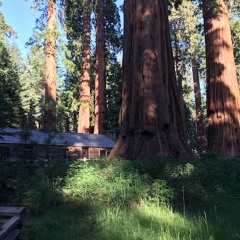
<point>9,226</point>
<point>12,211</point>
<point>13,235</point>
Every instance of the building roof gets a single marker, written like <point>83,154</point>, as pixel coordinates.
<point>21,136</point>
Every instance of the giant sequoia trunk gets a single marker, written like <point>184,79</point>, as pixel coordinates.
<point>201,136</point>
<point>100,82</point>
<point>51,73</point>
<point>151,120</point>
<point>223,102</point>
<point>84,109</point>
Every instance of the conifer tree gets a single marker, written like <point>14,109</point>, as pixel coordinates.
<point>11,112</point>
<point>32,80</point>
<point>100,79</point>
<point>110,45</point>
<point>188,44</point>
<point>151,120</point>
<point>223,99</point>
<point>51,72</point>
<point>84,109</point>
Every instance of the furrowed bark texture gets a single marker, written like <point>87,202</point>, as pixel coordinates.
<point>84,109</point>
<point>223,102</point>
<point>51,72</point>
<point>100,82</point>
<point>151,120</point>
<point>201,135</point>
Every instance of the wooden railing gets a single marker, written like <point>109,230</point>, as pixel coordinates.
<point>12,222</point>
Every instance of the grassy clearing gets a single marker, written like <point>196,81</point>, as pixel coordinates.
<point>140,222</point>
<point>122,200</point>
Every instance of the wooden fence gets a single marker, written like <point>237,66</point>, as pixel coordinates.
<point>10,222</point>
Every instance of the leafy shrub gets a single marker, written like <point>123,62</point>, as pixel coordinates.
<point>206,179</point>
<point>116,183</point>
<point>31,186</point>
<point>219,178</point>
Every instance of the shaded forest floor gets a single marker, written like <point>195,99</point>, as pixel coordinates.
<point>167,199</point>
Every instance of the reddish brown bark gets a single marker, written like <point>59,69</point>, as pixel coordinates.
<point>84,109</point>
<point>151,120</point>
<point>51,73</point>
<point>223,101</point>
<point>201,136</point>
<point>100,82</point>
<point>178,66</point>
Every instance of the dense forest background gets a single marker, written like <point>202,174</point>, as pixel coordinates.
<point>27,76</point>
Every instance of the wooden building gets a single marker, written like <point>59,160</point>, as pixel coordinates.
<point>17,144</point>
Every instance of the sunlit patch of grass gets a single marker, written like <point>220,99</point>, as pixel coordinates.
<point>149,222</point>
<point>146,222</point>
<point>117,201</point>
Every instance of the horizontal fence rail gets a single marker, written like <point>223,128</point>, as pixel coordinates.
<point>12,222</point>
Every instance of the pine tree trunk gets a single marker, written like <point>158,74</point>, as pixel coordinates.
<point>151,119</point>
<point>201,136</point>
<point>84,109</point>
<point>100,82</point>
<point>51,72</point>
<point>223,102</point>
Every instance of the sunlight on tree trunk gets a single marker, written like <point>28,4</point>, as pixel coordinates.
<point>84,110</point>
<point>201,136</point>
<point>51,73</point>
<point>223,102</point>
<point>151,118</point>
<point>100,82</point>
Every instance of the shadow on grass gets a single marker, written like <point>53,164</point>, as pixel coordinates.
<point>127,200</point>
<point>207,187</point>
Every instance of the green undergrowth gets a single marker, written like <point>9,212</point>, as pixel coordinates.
<point>138,222</point>
<point>164,199</point>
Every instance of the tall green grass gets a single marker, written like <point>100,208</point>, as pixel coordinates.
<point>145,222</point>
<point>166,199</point>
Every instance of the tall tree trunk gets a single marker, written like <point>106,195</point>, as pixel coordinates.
<point>178,66</point>
<point>84,110</point>
<point>201,136</point>
<point>223,102</point>
<point>151,119</point>
<point>100,82</point>
<point>51,72</point>
<point>177,58</point>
